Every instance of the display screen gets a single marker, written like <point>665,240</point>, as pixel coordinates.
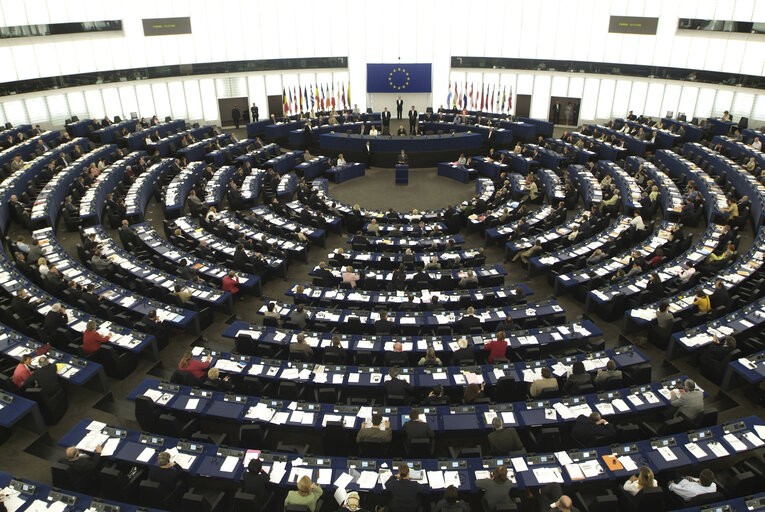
<point>166,26</point>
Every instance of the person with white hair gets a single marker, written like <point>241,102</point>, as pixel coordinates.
<point>688,401</point>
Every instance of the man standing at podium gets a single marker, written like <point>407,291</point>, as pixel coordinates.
<point>412,119</point>
<point>385,116</point>
<point>399,108</point>
<point>402,158</point>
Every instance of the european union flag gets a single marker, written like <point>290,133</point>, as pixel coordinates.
<point>399,78</point>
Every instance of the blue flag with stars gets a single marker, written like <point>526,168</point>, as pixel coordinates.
<point>399,78</point>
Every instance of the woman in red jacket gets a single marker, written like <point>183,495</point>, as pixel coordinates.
<point>91,340</point>
<point>195,367</point>
<point>497,348</point>
<point>230,283</point>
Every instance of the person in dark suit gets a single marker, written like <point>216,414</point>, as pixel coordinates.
<point>556,112</point>
<point>214,382</point>
<point>404,492</point>
<point>401,130</point>
<point>417,428</point>
<point>469,320</point>
<point>336,350</point>
<point>254,481</point>
<point>465,352</point>
<point>383,325</point>
<point>323,272</point>
<point>503,441</point>
<point>236,115</point>
<point>720,296</point>
<point>578,377</point>
<point>385,118</point>
<point>166,473</point>
<point>591,430</point>
<point>719,349</point>
<point>367,153</point>
<point>22,306</point>
<point>254,110</point>
<point>396,386</point>
<point>81,466</point>
<point>55,318</point>
<point>402,158</point>
<point>412,119</point>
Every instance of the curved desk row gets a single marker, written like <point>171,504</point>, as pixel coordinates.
<point>168,145</point>
<point>120,298</point>
<point>746,265</point>
<point>744,182</point>
<point>553,337</point>
<point>716,203</point>
<point>211,271</point>
<point>141,190</point>
<point>601,298</point>
<point>617,405</point>
<point>226,249</point>
<point>19,181</point>
<point>500,296</point>
<point>540,264</point>
<point>174,196</point>
<point>556,236</point>
<point>605,463</point>
<point>537,220</point>
<point>48,202</point>
<point>446,279</point>
<point>589,186</point>
<point>622,261</point>
<point>76,370</point>
<point>159,279</point>
<point>11,280</point>
<point>93,202</point>
<point>669,195</point>
<point>294,248</point>
<point>629,190</point>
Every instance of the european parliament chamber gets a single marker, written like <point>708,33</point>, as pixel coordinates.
<point>396,266</point>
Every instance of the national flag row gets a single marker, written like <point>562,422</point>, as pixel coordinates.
<point>485,97</point>
<point>316,97</point>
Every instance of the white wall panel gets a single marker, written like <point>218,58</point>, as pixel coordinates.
<point>723,102</point>
<point>177,100</point>
<point>145,100</point>
<point>161,100</point>
<point>58,110</point>
<point>638,96</point>
<point>743,103</point>
<point>77,105</point>
<point>95,103</point>
<point>37,109</point>
<point>194,100</point>
<point>671,99</point>
<point>654,99</point>
<point>130,102</point>
<point>688,98</point>
<point>589,98</point>
<point>621,98</point>
<point>15,111</point>
<point>705,102</point>
<point>210,101</point>
<point>540,98</point>
<point>112,102</point>
<point>605,98</point>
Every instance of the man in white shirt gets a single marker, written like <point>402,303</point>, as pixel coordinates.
<point>757,144</point>
<point>637,222</point>
<point>687,272</point>
<point>689,487</point>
